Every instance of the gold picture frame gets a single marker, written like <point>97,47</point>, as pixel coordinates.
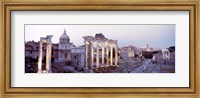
<point>96,5</point>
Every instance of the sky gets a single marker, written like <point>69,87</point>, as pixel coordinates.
<point>156,36</point>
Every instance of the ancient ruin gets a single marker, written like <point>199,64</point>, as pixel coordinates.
<point>166,54</point>
<point>97,49</point>
<point>46,40</point>
<point>98,55</point>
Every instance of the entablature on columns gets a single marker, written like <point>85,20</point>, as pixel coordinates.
<point>92,51</point>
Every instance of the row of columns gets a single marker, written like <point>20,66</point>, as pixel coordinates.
<point>46,40</point>
<point>106,47</point>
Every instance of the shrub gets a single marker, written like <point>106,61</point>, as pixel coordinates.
<point>147,55</point>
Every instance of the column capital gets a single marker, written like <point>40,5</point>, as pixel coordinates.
<point>97,54</point>
<point>48,43</point>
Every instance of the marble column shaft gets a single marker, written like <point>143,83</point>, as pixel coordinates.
<point>40,59</point>
<point>107,55</point>
<point>86,55</point>
<point>116,55</point>
<point>102,54</point>
<point>97,55</point>
<point>91,58</point>
<point>48,58</point>
<point>111,55</point>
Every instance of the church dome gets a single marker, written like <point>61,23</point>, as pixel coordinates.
<point>64,38</point>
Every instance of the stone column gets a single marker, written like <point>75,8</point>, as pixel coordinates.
<point>40,59</point>
<point>102,53</point>
<point>49,46</point>
<point>97,55</point>
<point>86,55</point>
<point>48,58</point>
<point>107,55</point>
<point>116,55</point>
<point>111,55</point>
<point>91,58</point>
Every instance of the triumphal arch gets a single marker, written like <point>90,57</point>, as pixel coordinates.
<point>100,52</point>
<point>46,40</point>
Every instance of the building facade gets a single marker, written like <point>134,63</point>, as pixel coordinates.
<point>60,51</point>
<point>64,47</point>
<point>78,57</point>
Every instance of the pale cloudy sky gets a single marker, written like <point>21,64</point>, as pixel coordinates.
<point>157,36</point>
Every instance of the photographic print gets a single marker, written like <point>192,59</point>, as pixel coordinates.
<point>99,48</point>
